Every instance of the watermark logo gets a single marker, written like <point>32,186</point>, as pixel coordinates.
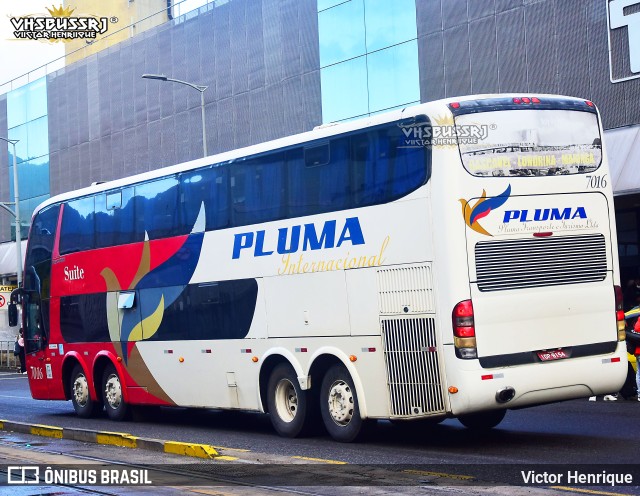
<point>482,208</point>
<point>443,132</point>
<point>623,17</point>
<point>23,474</point>
<point>60,25</point>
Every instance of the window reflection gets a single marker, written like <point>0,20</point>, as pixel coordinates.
<point>341,32</point>
<point>36,99</point>
<point>389,23</point>
<point>393,76</point>
<point>344,90</point>
<point>17,107</point>
<point>386,76</point>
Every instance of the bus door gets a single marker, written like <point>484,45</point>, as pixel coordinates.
<point>35,342</point>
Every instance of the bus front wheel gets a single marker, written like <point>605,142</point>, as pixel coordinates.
<point>339,405</point>
<point>482,420</point>
<point>117,408</point>
<point>287,402</point>
<point>84,406</point>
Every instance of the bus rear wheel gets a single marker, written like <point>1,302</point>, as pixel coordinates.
<point>288,403</point>
<point>339,405</point>
<point>84,406</point>
<point>116,407</point>
<point>482,421</point>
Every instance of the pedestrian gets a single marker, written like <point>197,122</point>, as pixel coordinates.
<point>20,351</point>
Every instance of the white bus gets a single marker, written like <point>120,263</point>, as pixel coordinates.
<point>452,259</point>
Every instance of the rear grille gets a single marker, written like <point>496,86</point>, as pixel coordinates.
<point>413,374</point>
<point>539,262</point>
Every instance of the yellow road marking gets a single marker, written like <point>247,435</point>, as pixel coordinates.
<point>121,439</point>
<point>332,462</point>
<point>46,431</point>
<point>439,474</point>
<point>587,491</point>
<point>190,449</point>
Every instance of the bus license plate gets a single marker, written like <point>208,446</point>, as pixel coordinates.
<point>545,356</point>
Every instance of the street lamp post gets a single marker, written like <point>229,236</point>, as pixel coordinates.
<point>201,89</point>
<point>16,209</point>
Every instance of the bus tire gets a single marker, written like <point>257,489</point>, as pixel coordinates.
<point>288,403</point>
<point>482,421</point>
<point>84,406</point>
<point>339,405</point>
<point>113,399</point>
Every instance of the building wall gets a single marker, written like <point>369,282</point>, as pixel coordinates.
<point>134,17</point>
<point>259,59</point>
<point>529,46</point>
<point>5,217</point>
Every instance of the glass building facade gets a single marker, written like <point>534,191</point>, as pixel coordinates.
<point>368,56</point>
<point>27,122</point>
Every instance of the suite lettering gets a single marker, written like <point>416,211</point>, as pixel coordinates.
<point>306,237</point>
<point>73,274</point>
<point>544,214</point>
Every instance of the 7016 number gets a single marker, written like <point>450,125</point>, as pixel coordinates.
<point>596,182</point>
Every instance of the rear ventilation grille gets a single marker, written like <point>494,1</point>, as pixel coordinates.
<point>405,289</point>
<point>413,374</point>
<point>539,262</point>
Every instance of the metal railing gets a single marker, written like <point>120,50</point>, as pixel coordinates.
<point>8,361</point>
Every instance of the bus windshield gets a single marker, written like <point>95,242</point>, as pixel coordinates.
<point>529,142</point>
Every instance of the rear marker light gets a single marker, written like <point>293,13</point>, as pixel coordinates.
<point>517,100</point>
<point>589,103</point>
<point>542,234</point>
<point>526,100</point>
<point>455,105</point>
<point>368,350</point>
<point>488,377</point>
<point>535,100</point>
<point>611,360</point>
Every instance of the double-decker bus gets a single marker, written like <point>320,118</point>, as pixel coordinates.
<point>452,259</point>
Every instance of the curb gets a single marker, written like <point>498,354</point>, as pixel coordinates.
<point>121,439</point>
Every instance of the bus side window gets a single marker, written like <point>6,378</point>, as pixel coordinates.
<point>208,186</point>
<point>77,232</point>
<point>319,178</point>
<point>257,187</point>
<point>156,208</point>
<point>115,219</point>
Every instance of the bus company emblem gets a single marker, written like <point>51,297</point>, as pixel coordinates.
<point>482,208</point>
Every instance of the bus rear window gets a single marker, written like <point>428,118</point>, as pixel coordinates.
<point>529,142</point>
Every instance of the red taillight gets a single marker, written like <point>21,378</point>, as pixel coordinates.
<point>591,104</point>
<point>535,99</point>
<point>517,100</point>
<point>619,300</point>
<point>455,105</point>
<point>526,100</point>
<point>462,317</point>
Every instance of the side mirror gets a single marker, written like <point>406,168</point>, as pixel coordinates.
<point>13,315</point>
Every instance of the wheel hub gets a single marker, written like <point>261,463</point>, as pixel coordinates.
<point>286,400</point>
<point>113,391</point>
<point>341,403</point>
<point>81,390</point>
